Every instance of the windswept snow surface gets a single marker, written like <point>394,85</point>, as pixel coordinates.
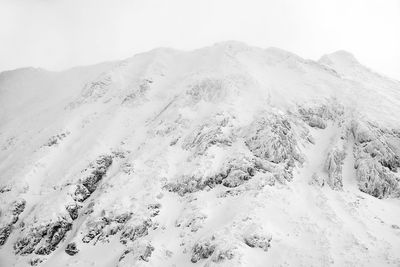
<point>229,155</point>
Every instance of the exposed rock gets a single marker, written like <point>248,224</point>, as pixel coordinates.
<point>208,135</point>
<point>101,228</point>
<point>202,250</point>
<point>234,172</point>
<point>191,219</point>
<point>5,232</point>
<point>312,119</point>
<point>54,140</point>
<point>81,193</point>
<point>55,233</point>
<point>71,249</point>
<point>187,184</point>
<point>123,218</point>
<point>362,132</point>
<point>333,165</point>
<point>17,207</point>
<point>96,229</point>
<point>257,241</point>
<point>99,170</point>
<point>89,208</point>
<point>230,193</point>
<point>376,152</point>
<point>96,89</point>
<point>5,189</point>
<point>145,256</point>
<point>73,210</point>
<point>273,139</point>
<point>138,93</point>
<point>221,255</point>
<point>127,168</point>
<point>134,232</point>
<point>132,256</point>
<point>35,261</point>
<point>207,89</point>
<point>88,184</point>
<point>126,252</point>
<point>374,179</point>
<point>26,245</point>
<point>318,115</point>
<point>236,178</point>
<point>49,236</point>
<point>154,209</point>
<point>316,122</point>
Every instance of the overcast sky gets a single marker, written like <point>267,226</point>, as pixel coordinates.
<point>58,34</point>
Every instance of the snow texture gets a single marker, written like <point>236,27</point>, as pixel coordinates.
<point>228,155</point>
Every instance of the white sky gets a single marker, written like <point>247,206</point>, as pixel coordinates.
<point>57,34</point>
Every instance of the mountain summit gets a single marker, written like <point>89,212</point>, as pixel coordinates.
<point>229,155</point>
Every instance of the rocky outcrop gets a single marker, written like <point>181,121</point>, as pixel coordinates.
<point>5,189</point>
<point>56,139</point>
<point>209,134</point>
<point>216,249</point>
<point>191,218</point>
<point>97,88</point>
<point>146,254</point>
<point>88,183</point>
<point>221,255</point>
<point>202,250</point>
<point>101,228</point>
<point>375,179</point>
<point>35,261</point>
<point>138,93</point>
<point>318,115</point>
<point>5,232</point>
<point>273,139</point>
<point>154,209</point>
<point>81,193</point>
<point>71,249</point>
<point>376,153</point>
<point>273,146</point>
<point>233,173</point>
<point>333,166</point>
<point>98,170</point>
<point>133,232</point>
<point>130,227</point>
<point>207,89</point>
<point>73,210</point>
<point>42,239</point>
<point>139,253</point>
<point>10,218</point>
<point>258,241</point>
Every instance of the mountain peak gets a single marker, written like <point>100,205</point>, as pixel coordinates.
<point>339,58</point>
<point>230,44</point>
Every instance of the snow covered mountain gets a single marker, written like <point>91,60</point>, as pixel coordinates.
<point>229,155</point>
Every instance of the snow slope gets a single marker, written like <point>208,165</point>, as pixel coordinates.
<point>228,155</point>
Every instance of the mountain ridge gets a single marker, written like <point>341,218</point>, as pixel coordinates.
<point>228,155</point>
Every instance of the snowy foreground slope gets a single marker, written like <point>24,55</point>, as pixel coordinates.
<point>228,155</point>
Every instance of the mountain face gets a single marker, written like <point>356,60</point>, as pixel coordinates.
<point>228,155</point>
